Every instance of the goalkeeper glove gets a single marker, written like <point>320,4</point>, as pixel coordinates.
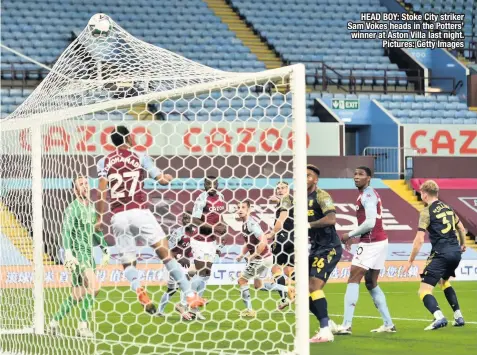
<point>106,257</point>
<point>70,261</point>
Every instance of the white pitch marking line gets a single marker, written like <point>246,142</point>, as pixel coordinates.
<point>403,319</point>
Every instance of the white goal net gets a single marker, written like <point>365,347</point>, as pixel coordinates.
<point>245,132</point>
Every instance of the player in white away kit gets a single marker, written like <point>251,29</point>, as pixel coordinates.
<point>370,255</point>
<point>124,172</point>
<point>260,259</point>
<point>207,216</point>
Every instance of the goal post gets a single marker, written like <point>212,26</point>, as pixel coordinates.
<point>298,89</point>
<point>247,128</point>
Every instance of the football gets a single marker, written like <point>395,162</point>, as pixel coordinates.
<point>100,25</point>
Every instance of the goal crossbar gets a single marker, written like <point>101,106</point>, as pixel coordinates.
<point>45,118</point>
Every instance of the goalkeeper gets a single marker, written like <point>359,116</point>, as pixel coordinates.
<point>79,237</point>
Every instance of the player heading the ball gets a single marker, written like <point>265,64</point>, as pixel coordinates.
<point>123,172</point>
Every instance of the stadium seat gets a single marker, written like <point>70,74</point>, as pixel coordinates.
<point>175,21</point>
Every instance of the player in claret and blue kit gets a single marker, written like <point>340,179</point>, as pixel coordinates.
<point>207,217</point>
<point>370,256</point>
<point>179,245</point>
<point>443,226</point>
<point>124,172</point>
<point>259,261</point>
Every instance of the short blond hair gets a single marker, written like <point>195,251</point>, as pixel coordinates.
<point>430,187</point>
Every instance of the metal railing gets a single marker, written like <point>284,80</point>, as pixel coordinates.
<point>390,161</point>
<point>17,74</point>
<point>351,81</point>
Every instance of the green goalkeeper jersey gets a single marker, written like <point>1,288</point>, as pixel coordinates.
<point>79,234</point>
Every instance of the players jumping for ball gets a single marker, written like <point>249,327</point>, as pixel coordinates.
<point>206,215</point>
<point>443,226</point>
<point>283,247</point>
<point>370,255</point>
<point>325,251</point>
<point>123,173</point>
<point>259,261</point>
<point>79,237</point>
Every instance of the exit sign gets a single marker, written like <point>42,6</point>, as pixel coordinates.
<point>339,104</point>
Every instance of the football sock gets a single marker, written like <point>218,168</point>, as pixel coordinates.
<point>432,306</point>
<point>351,298</point>
<point>380,302</point>
<point>245,293</point>
<point>198,284</point>
<point>451,297</point>
<point>267,286</point>
<point>458,314</point>
<point>202,285</point>
<point>317,298</point>
<point>313,309</point>
<point>65,308</point>
<point>86,305</point>
<point>165,298</point>
<point>177,273</point>
<point>280,280</point>
<point>183,299</point>
<point>132,275</point>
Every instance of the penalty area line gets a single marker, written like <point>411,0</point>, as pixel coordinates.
<point>403,319</point>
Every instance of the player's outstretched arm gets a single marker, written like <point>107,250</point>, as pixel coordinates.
<point>154,172</point>
<point>164,179</point>
<point>370,204</point>
<point>257,232</point>
<point>68,226</point>
<point>416,247</point>
<point>261,246</point>
<point>328,220</point>
<point>424,221</point>
<point>242,254</point>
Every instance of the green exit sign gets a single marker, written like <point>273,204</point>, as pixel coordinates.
<point>339,104</point>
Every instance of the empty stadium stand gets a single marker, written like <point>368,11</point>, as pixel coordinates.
<point>43,29</point>
<point>314,31</point>
<point>419,109</point>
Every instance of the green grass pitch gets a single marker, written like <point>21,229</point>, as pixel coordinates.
<point>122,328</point>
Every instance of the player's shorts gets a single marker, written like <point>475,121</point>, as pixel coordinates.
<point>203,251</point>
<point>284,255</point>
<point>440,266</point>
<point>77,276</point>
<point>371,255</point>
<point>322,262</point>
<point>133,226</point>
<point>283,250</point>
<point>257,269</point>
